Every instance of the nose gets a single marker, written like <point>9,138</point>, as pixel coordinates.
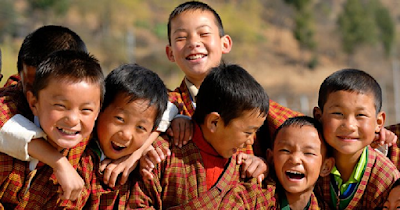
<point>349,123</point>
<point>295,158</point>
<point>72,118</point>
<point>194,42</point>
<point>125,134</point>
<point>250,140</point>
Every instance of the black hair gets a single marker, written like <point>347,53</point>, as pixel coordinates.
<point>71,65</point>
<point>46,40</point>
<point>352,80</point>
<point>229,90</point>
<point>137,82</point>
<point>192,6</point>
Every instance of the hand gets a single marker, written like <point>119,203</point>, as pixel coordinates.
<point>181,130</point>
<point>150,159</point>
<point>384,137</point>
<point>113,168</point>
<point>252,166</point>
<point>70,181</point>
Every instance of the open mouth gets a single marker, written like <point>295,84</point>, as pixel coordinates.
<point>116,146</point>
<point>67,132</point>
<point>195,57</point>
<point>294,175</point>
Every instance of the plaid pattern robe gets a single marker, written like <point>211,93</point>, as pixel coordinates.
<point>15,174</point>
<point>276,116</point>
<point>102,196</point>
<point>12,80</point>
<point>180,182</point>
<point>394,151</point>
<point>375,183</point>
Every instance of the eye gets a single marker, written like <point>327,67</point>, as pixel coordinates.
<point>59,106</point>
<point>119,119</point>
<point>310,153</point>
<point>141,128</point>
<point>337,113</point>
<point>87,110</point>
<point>284,150</point>
<point>205,34</point>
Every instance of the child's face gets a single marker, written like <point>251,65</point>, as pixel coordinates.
<point>123,127</point>
<point>237,134</point>
<point>350,121</point>
<point>298,158</point>
<point>393,200</point>
<point>66,111</point>
<point>196,46</point>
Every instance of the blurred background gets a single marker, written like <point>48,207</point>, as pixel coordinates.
<point>289,46</point>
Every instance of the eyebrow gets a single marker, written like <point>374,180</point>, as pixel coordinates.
<point>183,30</point>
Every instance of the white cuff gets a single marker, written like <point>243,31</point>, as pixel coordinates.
<point>167,117</point>
<point>15,135</point>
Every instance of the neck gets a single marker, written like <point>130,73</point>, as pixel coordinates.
<point>346,163</point>
<point>195,82</point>
<point>298,201</point>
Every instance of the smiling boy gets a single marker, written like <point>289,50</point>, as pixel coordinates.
<point>349,109</point>
<point>200,173</point>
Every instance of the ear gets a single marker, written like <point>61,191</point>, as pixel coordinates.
<point>317,113</point>
<point>170,53</point>
<point>380,121</point>
<point>327,166</point>
<point>32,101</point>
<point>212,121</point>
<point>226,44</point>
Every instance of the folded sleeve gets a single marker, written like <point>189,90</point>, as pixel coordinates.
<point>15,136</point>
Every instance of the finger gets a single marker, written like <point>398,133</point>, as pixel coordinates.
<point>166,151</point>
<point>66,194</point>
<point>104,164</point>
<point>75,194</point>
<point>169,132</point>
<point>240,158</point>
<point>260,178</point>
<point>124,177</point>
<point>244,167</point>
<point>114,176</point>
<point>175,131</point>
<point>160,153</point>
<point>252,170</point>
<point>383,136</point>
<point>153,156</point>
<point>107,173</point>
<point>186,133</point>
<point>147,175</point>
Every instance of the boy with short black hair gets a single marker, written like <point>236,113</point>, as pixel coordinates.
<point>300,156</point>
<point>197,42</point>
<point>21,138</point>
<point>349,109</point>
<point>200,173</point>
<point>65,99</point>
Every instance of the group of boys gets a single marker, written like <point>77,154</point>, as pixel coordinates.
<point>67,133</point>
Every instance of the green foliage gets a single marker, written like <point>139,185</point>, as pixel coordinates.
<point>7,18</point>
<point>58,6</point>
<point>356,26</point>
<point>298,4</point>
<point>386,28</point>
<point>303,31</point>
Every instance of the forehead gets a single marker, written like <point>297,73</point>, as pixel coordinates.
<point>350,99</point>
<point>198,16</point>
<point>140,108</point>
<point>302,136</point>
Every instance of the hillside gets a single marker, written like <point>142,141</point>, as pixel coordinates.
<point>124,31</point>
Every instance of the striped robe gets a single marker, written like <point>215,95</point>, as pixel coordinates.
<point>375,183</point>
<point>180,182</point>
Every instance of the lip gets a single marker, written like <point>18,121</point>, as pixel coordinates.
<point>347,138</point>
<point>67,133</point>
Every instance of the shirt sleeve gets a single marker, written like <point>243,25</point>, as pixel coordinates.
<point>15,136</point>
<point>167,117</point>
